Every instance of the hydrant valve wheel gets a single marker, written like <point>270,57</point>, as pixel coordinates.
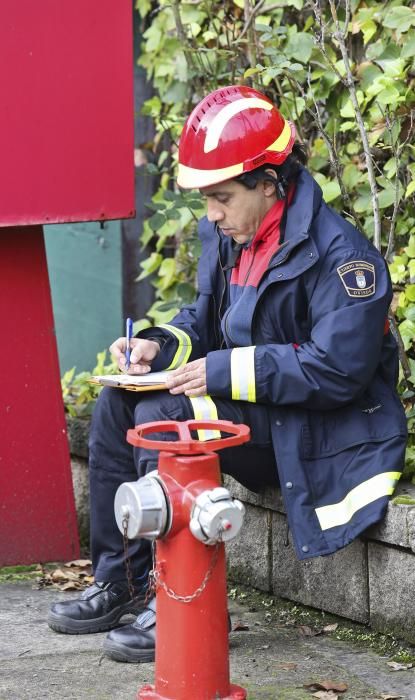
<point>216,516</point>
<point>186,443</point>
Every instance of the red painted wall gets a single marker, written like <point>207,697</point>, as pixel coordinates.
<point>66,111</point>
<point>66,154</point>
<point>37,513</point>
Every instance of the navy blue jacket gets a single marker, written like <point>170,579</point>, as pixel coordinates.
<point>310,342</point>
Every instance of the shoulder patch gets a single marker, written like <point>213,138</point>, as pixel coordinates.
<point>358,277</point>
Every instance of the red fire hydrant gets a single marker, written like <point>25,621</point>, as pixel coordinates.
<point>185,508</point>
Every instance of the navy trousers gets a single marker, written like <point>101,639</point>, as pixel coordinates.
<point>112,461</point>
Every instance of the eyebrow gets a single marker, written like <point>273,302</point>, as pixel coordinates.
<point>216,193</point>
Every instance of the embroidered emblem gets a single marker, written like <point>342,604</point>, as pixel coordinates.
<point>358,278</point>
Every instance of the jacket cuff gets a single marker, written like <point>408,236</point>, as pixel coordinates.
<point>168,347</point>
<point>218,373</point>
<point>231,374</point>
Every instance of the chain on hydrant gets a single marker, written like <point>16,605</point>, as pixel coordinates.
<point>183,506</point>
<point>156,580</point>
<point>127,559</point>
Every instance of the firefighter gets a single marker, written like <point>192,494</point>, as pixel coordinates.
<point>288,334</point>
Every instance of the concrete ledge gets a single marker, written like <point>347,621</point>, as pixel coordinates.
<point>78,432</point>
<point>248,554</point>
<point>391,590</point>
<point>370,581</point>
<point>336,583</point>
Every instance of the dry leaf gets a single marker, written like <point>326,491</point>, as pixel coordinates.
<point>386,696</point>
<point>337,686</point>
<point>79,562</point>
<point>58,575</point>
<point>395,666</point>
<point>330,628</point>
<point>309,631</point>
<point>76,573</point>
<point>324,695</point>
<point>71,586</point>
<point>240,627</point>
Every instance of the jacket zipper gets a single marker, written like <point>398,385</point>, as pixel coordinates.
<point>222,343</point>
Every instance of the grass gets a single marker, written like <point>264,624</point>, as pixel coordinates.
<point>11,574</point>
<point>282,612</point>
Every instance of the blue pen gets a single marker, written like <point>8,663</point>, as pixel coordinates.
<point>129,335</point>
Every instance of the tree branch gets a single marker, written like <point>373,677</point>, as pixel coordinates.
<point>175,5</point>
<point>348,81</point>
<point>252,54</point>
<point>253,13</point>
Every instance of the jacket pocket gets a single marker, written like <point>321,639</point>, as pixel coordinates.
<point>370,419</point>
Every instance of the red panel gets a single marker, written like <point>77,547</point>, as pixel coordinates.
<point>66,111</point>
<point>37,513</point>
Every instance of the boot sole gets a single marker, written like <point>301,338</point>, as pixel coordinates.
<point>119,652</point>
<point>67,625</point>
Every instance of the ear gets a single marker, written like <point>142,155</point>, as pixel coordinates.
<point>270,188</point>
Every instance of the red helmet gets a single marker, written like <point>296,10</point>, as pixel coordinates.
<point>233,130</point>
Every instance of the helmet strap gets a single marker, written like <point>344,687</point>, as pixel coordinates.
<point>280,186</point>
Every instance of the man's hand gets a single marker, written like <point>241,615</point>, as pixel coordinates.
<point>143,353</point>
<point>189,379</point>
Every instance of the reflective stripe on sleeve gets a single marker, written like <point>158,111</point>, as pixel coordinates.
<point>184,347</point>
<point>359,497</point>
<point>204,408</point>
<point>243,374</point>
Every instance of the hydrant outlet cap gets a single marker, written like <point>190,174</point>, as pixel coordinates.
<point>142,506</point>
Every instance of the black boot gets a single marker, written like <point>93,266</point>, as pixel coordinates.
<point>99,608</point>
<point>134,643</point>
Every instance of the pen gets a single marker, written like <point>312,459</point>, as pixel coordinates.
<point>129,335</point>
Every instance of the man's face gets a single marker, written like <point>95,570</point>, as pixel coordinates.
<point>237,210</point>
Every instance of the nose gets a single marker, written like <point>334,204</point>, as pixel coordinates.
<point>214,212</point>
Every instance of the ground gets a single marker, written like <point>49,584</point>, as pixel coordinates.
<point>274,653</point>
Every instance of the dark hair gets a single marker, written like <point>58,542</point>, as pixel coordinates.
<point>286,172</point>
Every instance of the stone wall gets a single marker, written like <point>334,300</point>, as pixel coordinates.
<point>78,431</point>
<point>370,581</point>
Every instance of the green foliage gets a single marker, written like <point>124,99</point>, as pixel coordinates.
<point>348,84</point>
<point>79,395</point>
<point>295,53</point>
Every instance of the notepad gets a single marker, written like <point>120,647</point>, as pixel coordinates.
<point>152,381</point>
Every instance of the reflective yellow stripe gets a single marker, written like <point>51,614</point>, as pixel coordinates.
<point>184,347</point>
<point>243,374</point>
<point>359,497</point>
<point>204,409</point>
<point>194,177</point>
<point>281,143</point>
<point>220,120</point>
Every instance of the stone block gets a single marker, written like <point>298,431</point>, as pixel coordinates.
<point>81,492</point>
<point>268,498</point>
<point>398,525</point>
<point>336,583</point>
<point>78,433</point>
<point>391,589</point>
<point>248,554</point>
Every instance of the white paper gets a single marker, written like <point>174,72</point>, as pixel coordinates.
<point>132,379</point>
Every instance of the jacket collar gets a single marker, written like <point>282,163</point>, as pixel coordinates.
<point>304,207</point>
